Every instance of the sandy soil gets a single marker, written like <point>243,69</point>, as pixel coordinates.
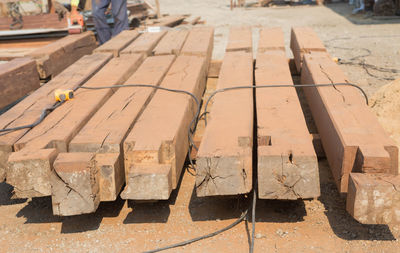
<point>320,225</point>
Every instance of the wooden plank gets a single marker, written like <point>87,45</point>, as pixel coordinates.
<point>224,159</point>
<point>66,187</point>
<point>53,58</point>
<point>169,21</point>
<point>171,43</point>
<point>199,42</point>
<point>304,41</point>
<point>374,198</point>
<point>118,43</point>
<point>17,78</point>
<point>145,43</point>
<point>211,86</point>
<point>29,110</point>
<point>108,127</point>
<point>156,148</point>
<point>36,22</point>
<point>350,133</point>
<point>266,44</point>
<point>287,164</point>
<point>57,130</point>
<point>26,43</point>
<point>240,39</point>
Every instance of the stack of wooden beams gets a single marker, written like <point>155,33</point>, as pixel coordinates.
<point>88,148</point>
<point>287,164</point>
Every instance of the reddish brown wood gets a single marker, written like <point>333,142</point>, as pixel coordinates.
<point>17,78</point>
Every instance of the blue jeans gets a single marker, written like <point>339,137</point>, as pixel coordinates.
<point>119,12</point>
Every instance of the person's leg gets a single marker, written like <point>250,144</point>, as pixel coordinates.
<point>99,8</point>
<point>119,12</point>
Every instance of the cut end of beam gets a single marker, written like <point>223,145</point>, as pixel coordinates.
<point>374,198</point>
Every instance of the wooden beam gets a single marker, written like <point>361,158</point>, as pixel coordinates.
<point>351,135</point>
<point>56,131</point>
<point>304,41</point>
<point>145,43</point>
<point>287,164</point>
<point>36,22</point>
<point>156,148</point>
<point>118,43</point>
<point>374,198</point>
<point>53,58</point>
<point>240,39</point>
<point>224,159</point>
<point>171,43</point>
<point>17,78</point>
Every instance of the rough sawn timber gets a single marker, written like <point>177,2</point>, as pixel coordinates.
<point>224,159</point>
<point>53,58</point>
<point>104,135</point>
<point>287,164</point>
<point>156,148</point>
<point>18,77</point>
<point>29,168</point>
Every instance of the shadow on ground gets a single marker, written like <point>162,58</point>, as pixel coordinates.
<point>39,210</point>
<point>341,222</point>
<point>345,10</point>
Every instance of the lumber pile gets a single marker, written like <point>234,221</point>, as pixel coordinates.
<point>362,157</point>
<point>224,159</point>
<point>17,78</point>
<point>133,141</point>
<point>74,155</point>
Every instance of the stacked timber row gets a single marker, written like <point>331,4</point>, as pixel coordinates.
<point>362,157</point>
<point>224,159</point>
<point>21,75</point>
<point>87,149</point>
<point>81,153</point>
<point>287,163</point>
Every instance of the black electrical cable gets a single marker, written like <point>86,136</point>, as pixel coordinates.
<point>279,86</point>
<point>192,123</point>
<point>240,219</point>
<point>253,218</point>
<point>37,122</point>
<point>196,117</point>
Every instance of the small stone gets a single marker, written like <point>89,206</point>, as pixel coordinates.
<point>353,235</point>
<point>259,236</point>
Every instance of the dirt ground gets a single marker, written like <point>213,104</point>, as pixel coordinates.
<point>320,225</point>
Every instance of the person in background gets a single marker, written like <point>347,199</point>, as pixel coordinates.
<point>99,7</point>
